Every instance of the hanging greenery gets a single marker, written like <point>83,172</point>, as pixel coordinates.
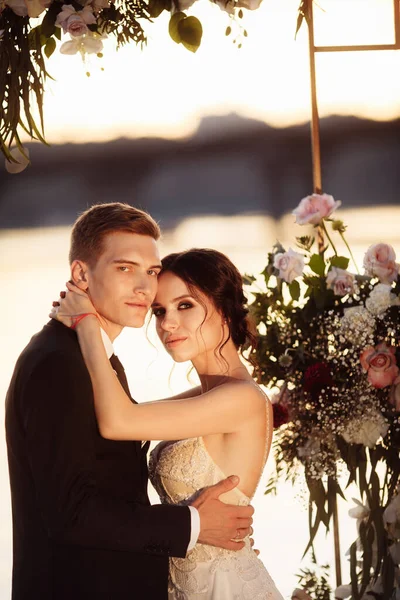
<point>24,48</point>
<point>329,342</point>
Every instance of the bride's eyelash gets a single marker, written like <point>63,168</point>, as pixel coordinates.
<point>185,305</point>
<point>158,312</point>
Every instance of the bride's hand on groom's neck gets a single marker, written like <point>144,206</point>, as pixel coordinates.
<point>71,305</point>
<point>223,525</point>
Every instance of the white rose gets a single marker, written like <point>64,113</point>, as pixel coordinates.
<point>366,431</point>
<point>290,265</point>
<point>380,299</point>
<point>340,281</point>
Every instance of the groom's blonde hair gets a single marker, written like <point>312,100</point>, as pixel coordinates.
<point>96,222</point>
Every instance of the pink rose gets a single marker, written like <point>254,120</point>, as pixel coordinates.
<point>312,209</point>
<point>340,281</point>
<point>394,395</point>
<point>76,26</point>
<point>380,261</point>
<point>75,23</point>
<point>380,364</point>
<point>290,264</point>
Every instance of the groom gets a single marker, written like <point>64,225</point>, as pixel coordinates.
<point>83,527</point>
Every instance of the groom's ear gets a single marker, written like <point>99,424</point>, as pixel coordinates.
<point>79,274</point>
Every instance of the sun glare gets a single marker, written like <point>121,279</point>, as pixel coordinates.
<point>164,90</point>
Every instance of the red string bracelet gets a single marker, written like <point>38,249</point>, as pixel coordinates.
<point>78,319</point>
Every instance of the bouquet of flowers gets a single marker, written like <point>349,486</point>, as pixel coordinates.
<point>329,341</point>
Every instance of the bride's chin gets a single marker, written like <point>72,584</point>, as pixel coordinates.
<point>176,358</point>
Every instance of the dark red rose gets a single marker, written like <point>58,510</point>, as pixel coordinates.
<point>317,377</point>
<point>281,415</point>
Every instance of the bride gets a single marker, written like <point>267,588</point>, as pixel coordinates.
<point>224,426</point>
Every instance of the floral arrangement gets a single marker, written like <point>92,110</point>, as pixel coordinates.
<point>25,46</point>
<point>329,342</point>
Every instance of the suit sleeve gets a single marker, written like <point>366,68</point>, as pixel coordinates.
<point>59,423</point>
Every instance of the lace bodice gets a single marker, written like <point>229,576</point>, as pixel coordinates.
<point>179,471</point>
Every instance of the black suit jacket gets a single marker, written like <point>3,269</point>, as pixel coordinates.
<point>83,527</point>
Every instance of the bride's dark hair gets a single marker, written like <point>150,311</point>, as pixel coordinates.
<point>213,274</point>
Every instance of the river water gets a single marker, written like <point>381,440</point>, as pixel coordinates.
<point>34,267</point>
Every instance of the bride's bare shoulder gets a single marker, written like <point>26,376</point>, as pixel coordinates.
<point>247,391</point>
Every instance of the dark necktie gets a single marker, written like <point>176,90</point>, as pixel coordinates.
<point>120,371</point>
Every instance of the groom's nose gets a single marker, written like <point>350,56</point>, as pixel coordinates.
<point>142,285</point>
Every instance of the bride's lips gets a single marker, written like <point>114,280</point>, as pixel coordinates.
<point>174,341</point>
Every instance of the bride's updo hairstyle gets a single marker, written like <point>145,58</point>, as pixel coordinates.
<point>214,275</point>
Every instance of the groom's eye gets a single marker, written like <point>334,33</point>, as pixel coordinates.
<point>153,272</point>
<point>123,268</point>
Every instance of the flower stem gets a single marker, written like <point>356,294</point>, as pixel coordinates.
<point>350,252</point>
<point>329,237</point>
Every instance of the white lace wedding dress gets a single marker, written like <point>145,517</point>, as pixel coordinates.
<point>178,470</point>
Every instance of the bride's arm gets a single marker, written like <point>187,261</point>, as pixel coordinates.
<point>195,391</point>
<point>221,410</point>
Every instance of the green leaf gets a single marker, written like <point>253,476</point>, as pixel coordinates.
<point>191,32</point>
<point>341,262</point>
<point>228,30</point>
<point>317,264</point>
<point>57,33</point>
<point>173,26</point>
<point>294,289</point>
<point>353,571</point>
<point>267,275</point>
<point>156,7</point>
<point>50,47</point>
<point>48,27</point>
<point>248,279</point>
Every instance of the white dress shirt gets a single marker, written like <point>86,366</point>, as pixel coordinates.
<point>194,513</point>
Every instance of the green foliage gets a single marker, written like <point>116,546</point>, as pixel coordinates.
<point>305,349</point>
<point>22,75</point>
<point>341,262</point>
<point>316,581</point>
<point>317,264</point>
<point>186,31</point>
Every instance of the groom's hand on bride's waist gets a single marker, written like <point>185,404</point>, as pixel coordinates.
<point>223,525</point>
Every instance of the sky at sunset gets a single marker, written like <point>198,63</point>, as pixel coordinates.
<point>164,90</point>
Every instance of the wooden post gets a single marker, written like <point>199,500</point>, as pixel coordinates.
<point>316,162</point>
<point>315,133</point>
